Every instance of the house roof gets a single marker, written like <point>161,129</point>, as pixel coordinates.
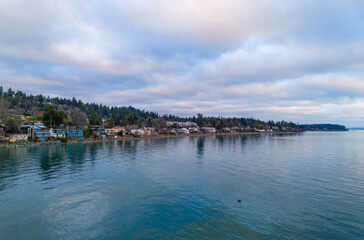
<point>37,126</point>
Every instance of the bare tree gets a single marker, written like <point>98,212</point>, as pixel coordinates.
<point>159,123</point>
<point>79,118</point>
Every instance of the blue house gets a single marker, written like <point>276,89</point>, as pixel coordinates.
<point>75,134</point>
<point>39,131</point>
<point>2,133</point>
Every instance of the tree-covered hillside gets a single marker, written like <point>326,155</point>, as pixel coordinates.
<point>77,111</point>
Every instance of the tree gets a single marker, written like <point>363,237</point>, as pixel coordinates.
<point>221,124</point>
<point>200,122</point>
<point>159,123</point>
<point>95,119</point>
<point>125,121</point>
<point>4,110</point>
<point>111,122</point>
<point>12,126</point>
<point>117,119</point>
<point>258,126</point>
<point>213,123</point>
<point>131,119</point>
<point>52,117</point>
<point>78,118</point>
<point>87,133</point>
<point>149,122</point>
<point>10,92</point>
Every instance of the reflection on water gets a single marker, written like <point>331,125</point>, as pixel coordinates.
<point>308,186</point>
<point>200,147</point>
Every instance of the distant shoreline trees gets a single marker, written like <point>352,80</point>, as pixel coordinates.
<point>323,127</point>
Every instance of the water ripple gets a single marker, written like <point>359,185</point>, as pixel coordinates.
<point>308,186</point>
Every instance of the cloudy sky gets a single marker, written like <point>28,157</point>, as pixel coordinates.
<point>299,60</point>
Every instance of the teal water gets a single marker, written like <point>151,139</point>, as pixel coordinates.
<point>306,186</point>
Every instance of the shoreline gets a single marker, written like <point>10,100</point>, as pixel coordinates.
<point>98,140</point>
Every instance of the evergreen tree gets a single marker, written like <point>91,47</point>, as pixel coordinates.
<point>200,121</point>
<point>95,119</point>
<point>221,124</point>
<point>10,92</point>
<point>52,117</point>
<point>125,121</point>
<point>110,122</point>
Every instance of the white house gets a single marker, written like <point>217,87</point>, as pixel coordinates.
<point>57,133</point>
<point>182,131</point>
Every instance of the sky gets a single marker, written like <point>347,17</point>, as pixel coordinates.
<point>301,61</point>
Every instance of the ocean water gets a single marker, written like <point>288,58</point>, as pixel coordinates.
<point>304,186</point>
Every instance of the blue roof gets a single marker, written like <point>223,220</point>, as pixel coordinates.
<point>37,126</point>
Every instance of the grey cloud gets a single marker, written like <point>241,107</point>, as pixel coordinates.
<point>298,60</point>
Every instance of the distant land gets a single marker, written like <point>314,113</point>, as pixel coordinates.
<point>323,127</point>
<point>356,128</point>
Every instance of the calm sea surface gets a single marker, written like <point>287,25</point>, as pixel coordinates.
<point>307,186</point>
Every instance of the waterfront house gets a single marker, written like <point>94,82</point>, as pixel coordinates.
<point>2,133</point>
<point>16,137</point>
<point>155,132</point>
<point>58,133</point>
<point>149,131</point>
<point>235,129</point>
<point>138,132</point>
<point>24,126</point>
<point>38,131</point>
<point>208,130</point>
<point>76,133</point>
<point>98,132</point>
<point>111,133</point>
<point>172,131</point>
<point>182,131</point>
<point>162,131</point>
<point>193,130</point>
<point>247,128</point>
<point>290,129</point>
<point>275,128</point>
<point>226,129</point>
<point>119,129</point>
